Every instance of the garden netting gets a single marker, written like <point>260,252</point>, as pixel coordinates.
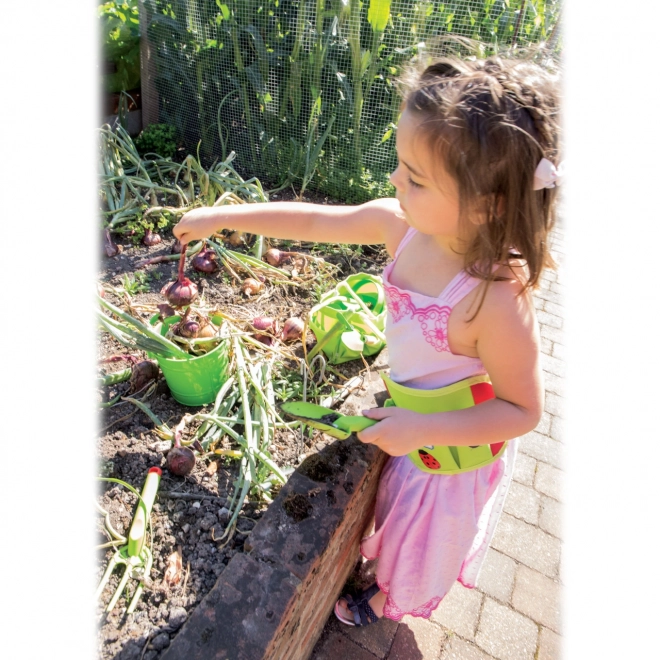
<point>305,91</point>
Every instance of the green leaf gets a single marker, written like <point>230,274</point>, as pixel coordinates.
<point>378,14</point>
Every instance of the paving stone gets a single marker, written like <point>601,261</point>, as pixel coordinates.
<point>376,639</point>
<point>459,611</point>
<point>523,502</point>
<point>417,639</point>
<point>546,318</point>
<point>524,469</point>
<point>497,575</point>
<point>550,516</point>
<point>554,308</point>
<point>541,447</point>
<point>557,429</point>
<point>337,646</point>
<point>553,334</point>
<point>538,597</point>
<point>554,404</point>
<point>547,346</point>
<point>549,480</point>
<point>554,384</point>
<point>558,350</point>
<point>549,645</point>
<point>527,544</point>
<point>544,426</point>
<point>553,365</point>
<point>505,633</point>
<point>458,649</point>
<point>549,295</point>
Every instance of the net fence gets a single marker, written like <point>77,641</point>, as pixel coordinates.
<point>304,91</point>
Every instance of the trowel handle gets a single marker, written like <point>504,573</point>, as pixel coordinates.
<point>137,533</point>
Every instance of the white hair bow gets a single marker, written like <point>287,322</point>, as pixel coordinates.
<point>546,175</point>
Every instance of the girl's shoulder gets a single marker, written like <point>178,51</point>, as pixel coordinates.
<point>387,212</point>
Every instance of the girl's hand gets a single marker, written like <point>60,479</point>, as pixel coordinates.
<point>196,224</point>
<point>398,432</point>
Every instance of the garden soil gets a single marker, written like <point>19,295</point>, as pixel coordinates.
<point>190,513</point>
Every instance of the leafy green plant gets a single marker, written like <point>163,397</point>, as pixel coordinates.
<point>120,39</point>
<point>157,139</point>
<point>136,282</point>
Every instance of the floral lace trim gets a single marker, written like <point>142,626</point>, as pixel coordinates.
<point>432,319</point>
<point>392,611</point>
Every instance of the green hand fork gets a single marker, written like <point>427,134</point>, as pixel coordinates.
<point>135,555</point>
<point>327,420</point>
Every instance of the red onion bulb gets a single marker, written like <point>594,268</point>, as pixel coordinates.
<point>293,329</point>
<point>151,238</point>
<point>180,461</point>
<point>205,261</point>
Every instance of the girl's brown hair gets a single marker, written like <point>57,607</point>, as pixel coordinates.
<point>491,121</point>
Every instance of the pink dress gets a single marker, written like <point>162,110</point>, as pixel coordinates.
<point>430,529</point>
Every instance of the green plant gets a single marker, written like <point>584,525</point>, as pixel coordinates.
<point>120,38</point>
<point>136,282</point>
<point>157,139</point>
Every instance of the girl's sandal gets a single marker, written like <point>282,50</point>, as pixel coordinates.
<point>363,615</point>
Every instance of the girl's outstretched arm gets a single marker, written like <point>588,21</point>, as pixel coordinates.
<point>508,345</point>
<point>378,221</point>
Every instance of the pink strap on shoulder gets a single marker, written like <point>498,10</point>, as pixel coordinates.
<point>404,241</point>
<point>460,286</point>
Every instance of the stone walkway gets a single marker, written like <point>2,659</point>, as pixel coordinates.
<point>514,613</point>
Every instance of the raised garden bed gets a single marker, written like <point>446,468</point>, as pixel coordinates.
<point>191,513</point>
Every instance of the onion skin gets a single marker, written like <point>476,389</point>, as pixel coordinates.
<point>180,461</point>
<point>142,374</point>
<point>151,238</point>
<point>188,329</point>
<point>251,286</point>
<point>205,262</point>
<point>293,329</point>
<point>180,293</point>
<point>236,239</point>
<point>208,330</point>
<point>266,325</point>
<point>110,248</point>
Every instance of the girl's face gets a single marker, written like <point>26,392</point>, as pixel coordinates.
<point>427,194</point>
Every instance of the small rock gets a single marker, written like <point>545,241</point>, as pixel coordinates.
<point>160,641</point>
<point>177,617</point>
<point>223,514</point>
<point>186,528</point>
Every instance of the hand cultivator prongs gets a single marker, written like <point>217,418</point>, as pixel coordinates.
<point>136,554</point>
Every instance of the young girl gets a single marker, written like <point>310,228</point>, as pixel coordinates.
<point>477,144</point>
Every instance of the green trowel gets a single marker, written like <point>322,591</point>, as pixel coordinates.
<point>327,420</point>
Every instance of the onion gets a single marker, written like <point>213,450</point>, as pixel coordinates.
<point>236,238</point>
<point>151,238</point>
<point>176,247</point>
<point>110,248</point>
<point>293,329</point>
<point>188,329</point>
<point>142,373</point>
<point>208,330</point>
<point>251,286</point>
<point>276,257</point>
<point>205,261</point>
<point>180,460</point>
<point>182,292</point>
<point>267,327</point>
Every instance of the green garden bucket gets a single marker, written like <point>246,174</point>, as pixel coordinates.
<point>197,380</point>
<point>349,320</point>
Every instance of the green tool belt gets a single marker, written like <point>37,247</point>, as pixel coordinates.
<point>442,459</point>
